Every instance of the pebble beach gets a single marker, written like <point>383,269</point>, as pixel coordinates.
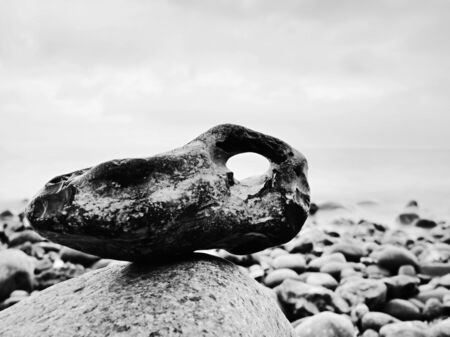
<point>342,275</point>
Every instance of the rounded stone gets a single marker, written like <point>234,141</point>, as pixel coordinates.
<point>326,324</point>
<point>403,310</point>
<point>392,258</point>
<point>292,261</point>
<point>277,276</point>
<point>405,329</point>
<point>375,320</point>
<point>367,291</point>
<point>200,296</point>
<point>352,251</point>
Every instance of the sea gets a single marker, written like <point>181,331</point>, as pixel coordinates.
<point>363,181</point>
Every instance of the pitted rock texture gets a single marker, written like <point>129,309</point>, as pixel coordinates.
<point>200,296</point>
<point>178,202</point>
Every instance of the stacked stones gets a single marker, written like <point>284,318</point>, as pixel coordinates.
<point>157,211</point>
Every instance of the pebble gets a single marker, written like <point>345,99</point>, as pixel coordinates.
<point>392,258</point>
<point>402,309</point>
<point>352,251</point>
<point>277,276</point>
<point>405,329</point>
<point>295,262</point>
<point>375,320</point>
<point>367,291</point>
<point>326,324</point>
<point>425,223</point>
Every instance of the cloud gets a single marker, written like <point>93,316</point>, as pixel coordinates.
<point>92,79</point>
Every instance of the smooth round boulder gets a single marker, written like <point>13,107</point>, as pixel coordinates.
<point>326,324</point>
<point>199,296</point>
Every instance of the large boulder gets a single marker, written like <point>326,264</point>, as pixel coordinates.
<point>178,202</point>
<point>200,296</point>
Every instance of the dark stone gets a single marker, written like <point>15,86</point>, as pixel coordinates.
<point>352,251</point>
<point>403,310</point>
<point>178,202</point>
<point>425,223</point>
<point>313,208</point>
<point>402,286</point>
<point>407,218</point>
<point>6,214</point>
<point>392,258</point>
<point>200,296</point>
<point>412,203</point>
<point>326,324</point>
<point>375,320</point>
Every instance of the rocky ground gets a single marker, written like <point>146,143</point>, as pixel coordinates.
<point>339,277</point>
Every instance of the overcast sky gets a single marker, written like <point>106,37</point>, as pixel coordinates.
<point>85,81</point>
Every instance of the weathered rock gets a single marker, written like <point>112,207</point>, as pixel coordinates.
<point>326,324</point>
<point>392,258</point>
<point>299,299</point>
<point>178,202</point>
<point>375,320</point>
<point>367,291</point>
<point>201,296</point>
<point>16,272</point>
<point>403,310</point>
<point>405,329</point>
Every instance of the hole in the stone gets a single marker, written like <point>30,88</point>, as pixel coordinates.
<point>247,165</point>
